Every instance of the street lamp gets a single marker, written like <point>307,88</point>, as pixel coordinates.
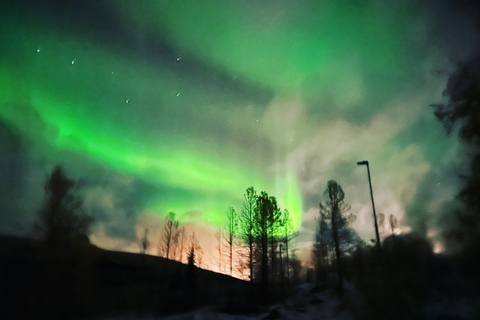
<point>361,163</point>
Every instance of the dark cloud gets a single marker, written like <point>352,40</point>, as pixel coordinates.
<point>22,179</point>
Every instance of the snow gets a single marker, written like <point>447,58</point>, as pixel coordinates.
<point>310,302</point>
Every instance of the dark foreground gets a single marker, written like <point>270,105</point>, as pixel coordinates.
<point>82,281</point>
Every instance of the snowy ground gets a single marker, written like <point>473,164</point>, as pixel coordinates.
<point>310,302</point>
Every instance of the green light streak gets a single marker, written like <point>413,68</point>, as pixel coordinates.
<point>281,45</point>
<point>293,201</point>
<point>81,107</point>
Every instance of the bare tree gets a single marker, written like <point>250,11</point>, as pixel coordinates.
<point>181,242</point>
<point>393,223</point>
<point>381,225</point>
<point>169,235</point>
<point>219,236</point>
<point>175,244</point>
<point>242,263</point>
<point>230,233</point>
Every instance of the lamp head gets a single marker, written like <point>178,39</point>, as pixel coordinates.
<point>361,163</point>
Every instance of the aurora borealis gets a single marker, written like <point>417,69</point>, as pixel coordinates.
<point>162,106</point>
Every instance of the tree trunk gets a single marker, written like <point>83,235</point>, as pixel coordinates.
<point>231,259</point>
<point>282,277</point>
<point>288,261</point>
<point>251,258</point>
<point>272,253</point>
<point>265,266</point>
<point>337,251</point>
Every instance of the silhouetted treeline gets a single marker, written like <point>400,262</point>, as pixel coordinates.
<point>408,282</point>
<point>412,282</point>
<point>262,232</point>
<point>63,276</point>
<point>462,112</point>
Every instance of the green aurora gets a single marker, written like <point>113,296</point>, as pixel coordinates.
<point>280,44</point>
<point>199,100</point>
<point>69,110</point>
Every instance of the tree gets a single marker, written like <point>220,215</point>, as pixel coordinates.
<point>195,250</point>
<point>145,242</point>
<point>181,241</point>
<point>62,219</point>
<point>381,225</point>
<point>287,228</point>
<point>247,224</point>
<point>261,227</point>
<point>296,266</point>
<point>463,109</point>
<point>169,236</point>
<point>219,236</point>
<point>393,223</point>
<point>230,233</point>
<point>263,211</point>
<point>322,246</point>
<point>333,208</point>
<point>191,256</point>
<point>242,263</point>
<point>191,278</point>
<point>273,220</point>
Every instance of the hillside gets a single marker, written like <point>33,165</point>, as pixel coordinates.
<point>83,281</point>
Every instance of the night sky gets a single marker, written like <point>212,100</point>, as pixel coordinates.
<point>159,106</point>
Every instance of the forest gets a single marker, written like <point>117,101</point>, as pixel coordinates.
<point>209,159</point>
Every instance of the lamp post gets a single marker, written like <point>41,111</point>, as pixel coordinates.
<point>361,163</point>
